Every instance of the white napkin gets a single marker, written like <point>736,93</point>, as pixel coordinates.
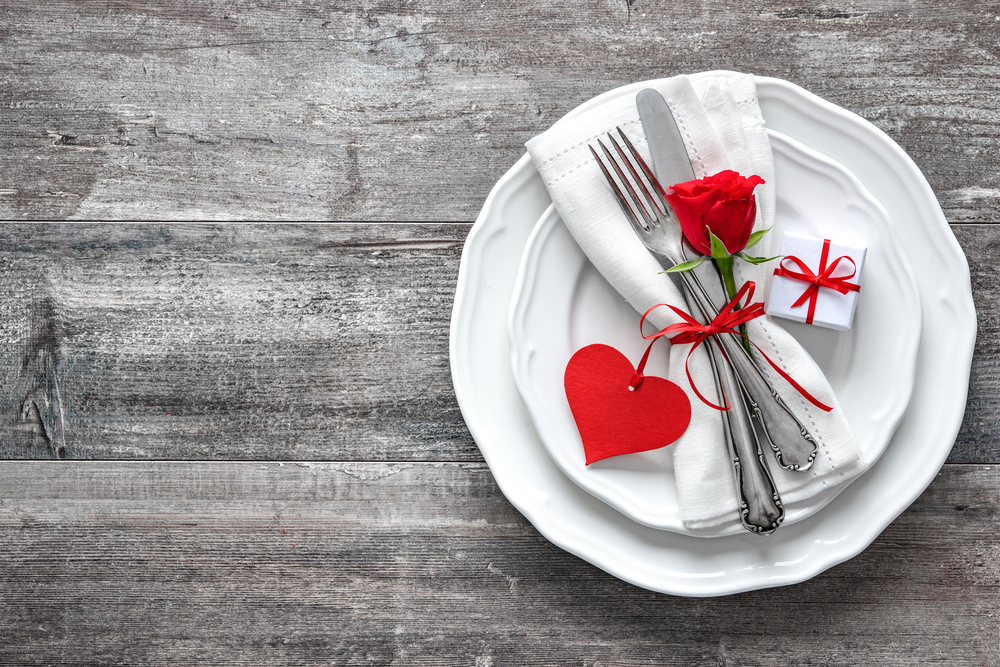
<point>720,121</point>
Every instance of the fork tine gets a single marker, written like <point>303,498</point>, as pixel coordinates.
<point>646,218</point>
<point>661,194</point>
<point>633,219</point>
<point>658,214</point>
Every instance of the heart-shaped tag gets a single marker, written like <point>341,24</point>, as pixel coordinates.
<point>613,417</point>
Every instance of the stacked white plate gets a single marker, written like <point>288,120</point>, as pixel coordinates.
<point>902,378</point>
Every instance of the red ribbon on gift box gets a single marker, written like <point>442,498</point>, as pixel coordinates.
<point>726,322</point>
<point>824,278</point>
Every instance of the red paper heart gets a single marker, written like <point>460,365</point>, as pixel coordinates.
<point>614,419</point>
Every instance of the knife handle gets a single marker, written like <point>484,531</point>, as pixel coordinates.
<point>761,510</point>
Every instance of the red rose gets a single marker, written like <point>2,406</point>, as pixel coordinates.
<point>723,203</point>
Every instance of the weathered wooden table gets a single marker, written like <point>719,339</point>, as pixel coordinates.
<point>264,459</point>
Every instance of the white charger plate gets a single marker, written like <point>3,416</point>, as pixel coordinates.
<point>681,564</point>
<point>562,303</point>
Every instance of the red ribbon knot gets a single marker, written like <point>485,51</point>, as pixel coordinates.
<point>726,322</point>
<point>824,278</point>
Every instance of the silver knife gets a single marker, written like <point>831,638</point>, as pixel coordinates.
<point>792,444</point>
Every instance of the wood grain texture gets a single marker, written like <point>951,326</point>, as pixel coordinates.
<point>329,343</point>
<point>427,564</point>
<point>229,342</point>
<point>979,438</point>
<point>411,110</point>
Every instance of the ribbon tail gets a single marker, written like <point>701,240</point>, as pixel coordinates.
<point>799,388</point>
<point>694,387</point>
<point>725,323</point>
<point>638,376</point>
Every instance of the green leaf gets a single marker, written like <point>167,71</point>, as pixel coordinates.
<point>756,237</point>
<point>719,250</point>
<point>685,266</point>
<point>755,260</point>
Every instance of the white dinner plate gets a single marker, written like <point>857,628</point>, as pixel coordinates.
<point>681,564</point>
<point>562,303</point>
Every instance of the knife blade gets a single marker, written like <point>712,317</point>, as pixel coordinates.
<point>671,162</point>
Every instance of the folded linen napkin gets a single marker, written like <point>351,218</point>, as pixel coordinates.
<point>720,121</point>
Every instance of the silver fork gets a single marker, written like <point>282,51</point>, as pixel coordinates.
<point>761,509</point>
<point>792,444</point>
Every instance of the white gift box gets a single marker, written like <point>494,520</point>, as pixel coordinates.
<point>831,308</point>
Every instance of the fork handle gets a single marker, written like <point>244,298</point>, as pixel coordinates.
<point>761,510</point>
<point>792,444</point>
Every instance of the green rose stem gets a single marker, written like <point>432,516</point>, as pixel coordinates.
<point>723,260</point>
<point>726,267</point>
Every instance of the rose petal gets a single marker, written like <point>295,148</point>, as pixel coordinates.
<point>728,220</point>
<point>745,190</point>
<point>690,212</point>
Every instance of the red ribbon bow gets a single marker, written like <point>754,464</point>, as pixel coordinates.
<point>726,322</point>
<point>824,278</point>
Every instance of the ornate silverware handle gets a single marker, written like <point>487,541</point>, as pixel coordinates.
<point>793,446</point>
<point>761,510</point>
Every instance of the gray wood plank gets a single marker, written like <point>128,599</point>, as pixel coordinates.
<point>979,438</point>
<point>276,342</point>
<point>424,564</point>
<point>229,342</point>
<point>412,110</point>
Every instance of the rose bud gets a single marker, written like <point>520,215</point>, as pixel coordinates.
<point>723,203</point>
